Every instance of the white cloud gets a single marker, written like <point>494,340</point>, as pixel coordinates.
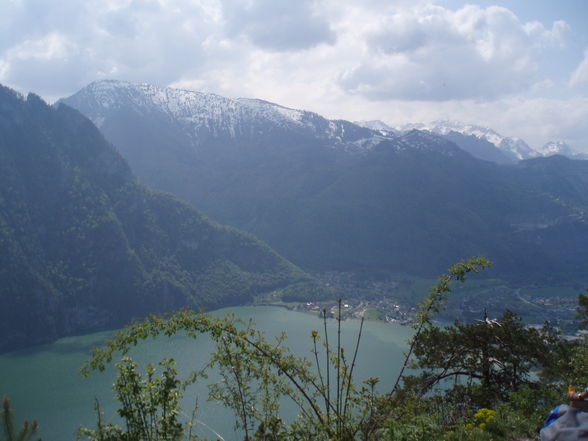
<point>433,53</point>
<point>277,25</point>
<point>54,48</point>
<point>536,120</point>
<point>377,49</point>
<point>542,119</point>
<point>395,60</point>
<point>558,35</point>
<point>3,68</point>
<point>580,75</point>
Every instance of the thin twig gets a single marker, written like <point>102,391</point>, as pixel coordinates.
<point>318,368</point>
<point>239,389</point>
<point>350,377</point>
<point>339,368</point>
<point>328,364</point>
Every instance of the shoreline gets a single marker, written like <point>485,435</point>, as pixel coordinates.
<point>298,308</point>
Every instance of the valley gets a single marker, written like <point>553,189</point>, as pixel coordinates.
<point>371,216</point>
<point>395,300</point>
<point>331,195</point>
<point>87,247</point>
<point>251,220</point>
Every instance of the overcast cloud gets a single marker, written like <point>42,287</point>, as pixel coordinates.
<point>580,75</point>
<point>431,53</point>
<point>277,25</point>
<point>398,61</point>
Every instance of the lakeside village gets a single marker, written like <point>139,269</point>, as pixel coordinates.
<point>396,302</point>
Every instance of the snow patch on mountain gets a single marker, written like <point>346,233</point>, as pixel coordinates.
<point>273,112</point>
<point>181,104</point>
<point>513,146</point>
<point>561,148</point>
<point>555,148</point>
<point>377,125</point>
<point>374,124</point>
<point>204,114</point>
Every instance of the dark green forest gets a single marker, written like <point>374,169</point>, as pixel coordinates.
<point>86,246</point>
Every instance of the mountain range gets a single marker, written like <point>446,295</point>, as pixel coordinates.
<point>481,142</point>
<point>334,195</point>
<point>86,246</point>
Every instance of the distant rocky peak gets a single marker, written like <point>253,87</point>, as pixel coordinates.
<point>561,148</point>
<point>376,124</point>
<point>555,148</point>
<point>428,141</point>
<point>512,146</point>
<point>182,103</point>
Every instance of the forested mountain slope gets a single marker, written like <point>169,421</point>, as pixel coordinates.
<point>85,245</point>
<point>331,195</point>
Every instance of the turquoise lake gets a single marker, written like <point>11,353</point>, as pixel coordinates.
<point>44,382</point>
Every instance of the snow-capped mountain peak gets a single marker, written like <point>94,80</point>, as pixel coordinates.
<point>202,116</point>
<point>183,104</point>
<point>515,147</point>
<point>561,148</point>
<point>555,148</point>
<point>376,125</point>
<point>205,114</point>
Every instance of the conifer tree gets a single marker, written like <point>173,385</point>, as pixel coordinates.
<point>27,430</point>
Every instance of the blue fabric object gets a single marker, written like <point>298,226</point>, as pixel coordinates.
<point>552,416</point>
<point>571,425</point>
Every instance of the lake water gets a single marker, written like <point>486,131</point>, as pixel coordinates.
<point>44,382</point>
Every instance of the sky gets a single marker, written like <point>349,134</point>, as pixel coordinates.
<point>519,66</point>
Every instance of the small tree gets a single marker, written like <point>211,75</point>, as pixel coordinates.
<point>476,369</point>
<point>570,357</point>
<point>149,406</point>
<point>27,429</point>
<point>496,355</point>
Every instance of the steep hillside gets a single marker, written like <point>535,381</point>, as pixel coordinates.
<point>362,200</point>
<point>85,245</point>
